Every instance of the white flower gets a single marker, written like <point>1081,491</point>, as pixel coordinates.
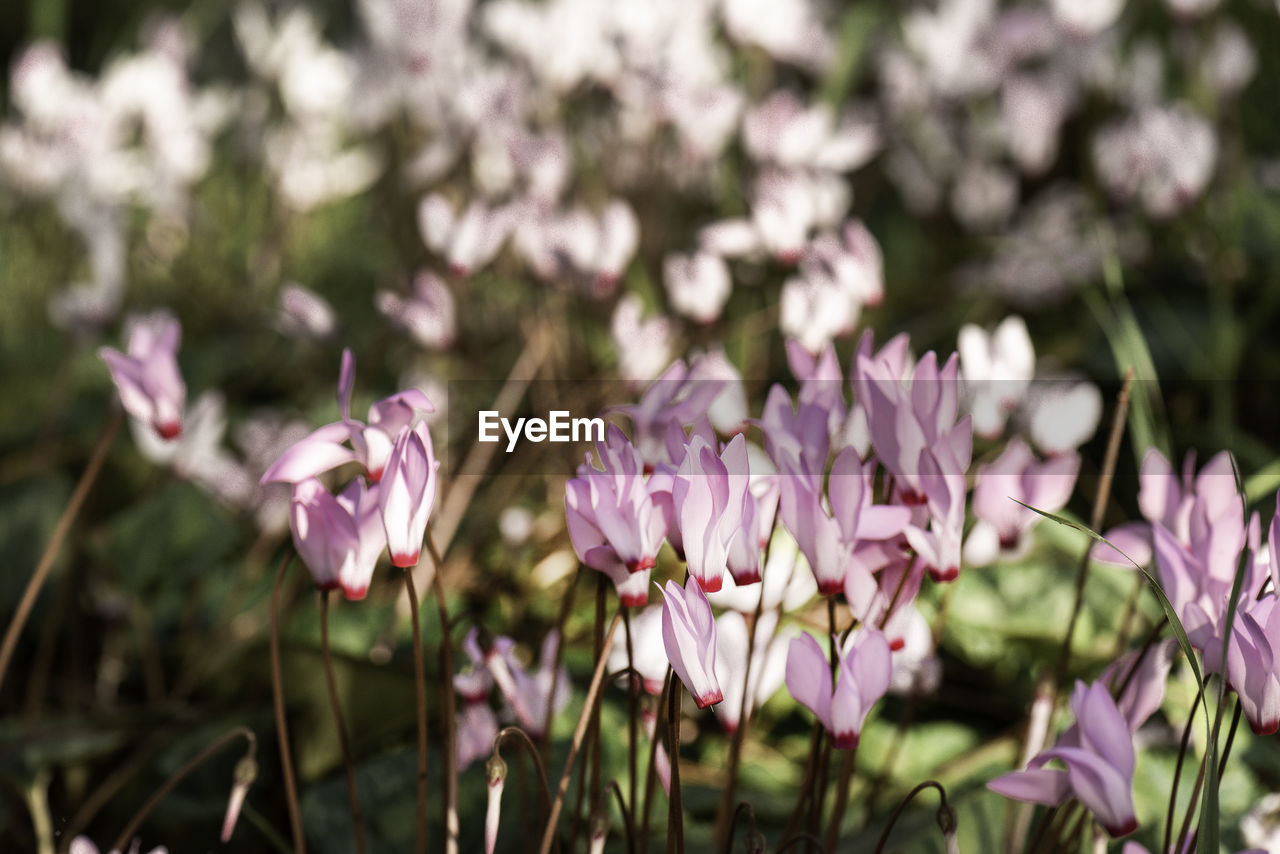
<point>698,285</point>
<point>996,369</point>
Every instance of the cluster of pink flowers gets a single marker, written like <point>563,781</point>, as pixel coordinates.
<point>340,537</point>
<point>871,493</point>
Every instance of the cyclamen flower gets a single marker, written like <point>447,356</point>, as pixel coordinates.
<point>339,539</point>
<point>428,314</point>
<point>528,692</point>
<point>614,523</point>
<point>942,480</point>
<point>303,313</point>
<point>864,669</point>
<point>150,384</point>
<point>689,635</point>
<point>682,395</point>
<point>768,655</point>
<point>1253,665</point>
<point>467,241</point>
<point>911,410</point>
<point>1099,759</point>
<point>648,656</point>
<point>1016,476</point>
<point>1173,500</point>
<point>371,443</point>
<point>996,368</point>
<point>407,492</point>
<point>709,500</point>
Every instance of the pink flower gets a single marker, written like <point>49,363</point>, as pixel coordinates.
<point>768,654</point>
<point>1174,500</point>
<point>408,490</point>
<point>150,385</point>
<point>938,539</point>
<point>468,241</point>
<point>864,669</point>
<point>339,539</point>
<point>1099,759</point>
<point>528,691</point>
<point>709,499</point>
<point>649,658</point>
<point>614,524</point>
<point>1253,666</point>
<point>325,448</point>
<point>1016,476</point>
<point>428,314</point>
<point>689,635</point>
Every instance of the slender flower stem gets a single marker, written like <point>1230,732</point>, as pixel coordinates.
<point>943,808</point>
<point>824,766</point>
<point>181,774</point>
<point>420,690</point>
<point>579,731</point>
<point>842,797</point>
<point>450,722</point>
<point>514,732</point>
<point>108,788</point>
<point>633,702</point>
<point>38,805</point>
<point>54,546</point>
<point>651,771</point>
<point>733,825</point>
<point>675,804</point>
<point>1100,498</point>
<point>1071,840</point>
<point>626,815</point>
<point>566,606</point>
<point>1195,791</point>
<point>602,592</point>
<point>1177,771</point>
<point>590,777</point>
<point>724,818</point>
<point>806,783</point>
<point>1222,766</point>
<point>339,723</point>
<point>1042,828</point>
<point>282,723</point>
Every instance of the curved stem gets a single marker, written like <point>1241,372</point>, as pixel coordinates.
<point>178,776</point>
<point>282,723</point>
<point>420,691</point>
<point>733,824</point>
<point>579,731</point>
<point>54,546</point>
<point>532,750</point>
<point>626,816</point>
<point>348,763</point>
<point>450,723</point>
<point>902,805</point>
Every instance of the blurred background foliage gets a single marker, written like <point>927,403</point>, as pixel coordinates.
<point>151,638</point>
